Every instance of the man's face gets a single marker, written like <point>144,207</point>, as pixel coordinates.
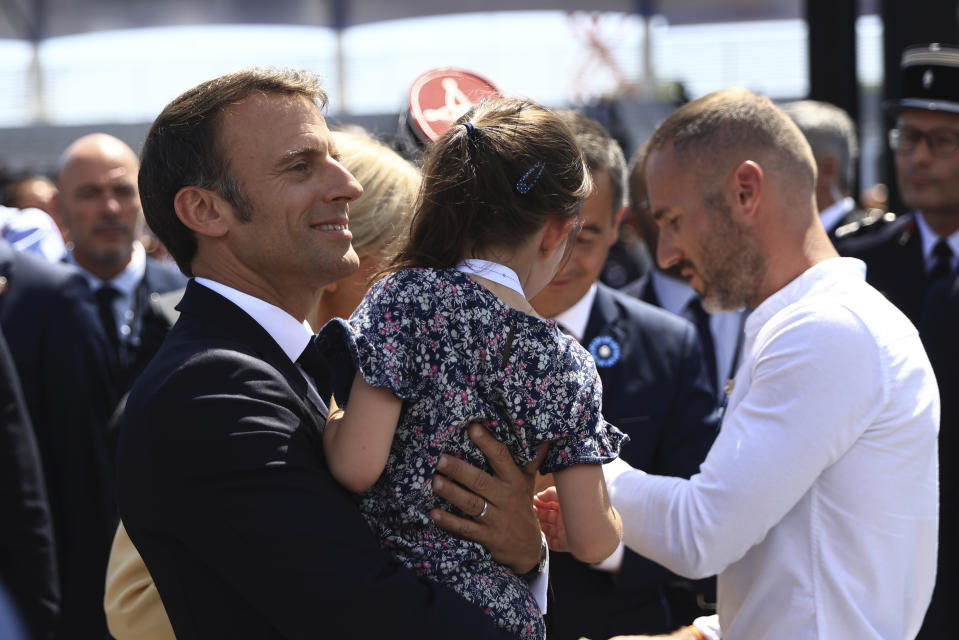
<point>928,182</point>
<point>98,205</point>
<point>698,236</point>
<point>281,153</point>
<point>601,218</point>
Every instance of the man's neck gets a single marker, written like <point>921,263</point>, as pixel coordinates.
<point>105,272</point>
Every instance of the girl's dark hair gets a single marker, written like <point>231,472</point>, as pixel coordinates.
<point>474,194</point>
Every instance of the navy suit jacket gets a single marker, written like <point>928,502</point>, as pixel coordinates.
<point>894,263</point>
<point>659,393</point>
<point>224,490</point>
<point>27,556</point>
<point>939,329</point>
<point>61,356</point>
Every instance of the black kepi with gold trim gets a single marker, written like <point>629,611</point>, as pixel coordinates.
<point>930,78</point>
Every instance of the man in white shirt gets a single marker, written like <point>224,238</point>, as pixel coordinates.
<point>817,504</point>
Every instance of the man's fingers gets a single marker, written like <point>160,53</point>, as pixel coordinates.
<point>533,466</point>
<point>496,452</point>
<point>470,503</point>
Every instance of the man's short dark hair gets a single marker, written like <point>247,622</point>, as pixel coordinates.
<point>183,149</point>
<point>601,151</point>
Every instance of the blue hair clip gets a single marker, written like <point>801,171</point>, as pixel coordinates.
<point>522,186</point>
<point>470,130</point>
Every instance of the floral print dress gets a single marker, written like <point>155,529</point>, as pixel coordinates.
<point>454,353</point>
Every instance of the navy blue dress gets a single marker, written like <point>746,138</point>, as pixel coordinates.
<point>454,353</point>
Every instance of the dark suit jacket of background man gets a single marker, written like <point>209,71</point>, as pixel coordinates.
<point>224,490</point>
<point>157,279</point>
<point>895,266</point>
<point>28,565</point>
<point>61,356</point>
<point>939,329</point>
<point>659,393</point>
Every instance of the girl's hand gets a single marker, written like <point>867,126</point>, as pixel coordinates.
<point>550,517</point>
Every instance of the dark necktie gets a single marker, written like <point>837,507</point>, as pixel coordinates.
<point>942,267</point>
<point>700,318</point>
<point>105,296</point>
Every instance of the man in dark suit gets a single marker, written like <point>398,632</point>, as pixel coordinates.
<point>98,207</point>
<point>831,135</point>
<point>939,329</point>
<point>913,260</point>
<point>223,486</point>
<point>655,389</point>
<point>27,555</point>
<point>921,246</point>
<point>63,365</point>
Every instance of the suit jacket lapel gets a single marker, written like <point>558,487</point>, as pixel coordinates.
<point>204,303</point>
<point>605,320</point>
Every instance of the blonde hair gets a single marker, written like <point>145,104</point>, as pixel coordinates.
<point>381,216</point>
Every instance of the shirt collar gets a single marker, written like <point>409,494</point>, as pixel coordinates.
<point>127,280</point>
<point>576,317</point>
<point>929,239</point>
<point>834,213</point>
<point>827,269</point>
<point>291,335</point>
<point>673,295</point>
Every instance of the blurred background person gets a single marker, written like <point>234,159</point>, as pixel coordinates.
<point>28,563</point>
<point>831,134</point>
<point>25,220</point>
<point>655,389</point>
<point>63,365</point>
<point>379,219</point>
<point>98,207</point>
<point>720,334</point>
<point>30,191</point>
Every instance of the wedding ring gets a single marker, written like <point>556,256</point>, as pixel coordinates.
<point>483,512</point>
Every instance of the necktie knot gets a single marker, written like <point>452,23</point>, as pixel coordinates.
<point>942,266</point>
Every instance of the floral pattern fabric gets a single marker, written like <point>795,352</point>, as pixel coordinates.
<point>455,354</point>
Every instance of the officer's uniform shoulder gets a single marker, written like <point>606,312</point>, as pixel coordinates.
<point>873,221</point>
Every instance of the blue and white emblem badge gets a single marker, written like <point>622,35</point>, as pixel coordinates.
<point>605,351</point>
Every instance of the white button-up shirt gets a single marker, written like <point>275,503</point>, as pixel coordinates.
<point>818,503</point>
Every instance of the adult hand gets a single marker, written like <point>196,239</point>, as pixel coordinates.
<point>509,528</point>
<point>550,517</point>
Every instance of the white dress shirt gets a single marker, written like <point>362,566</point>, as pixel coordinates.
<point>818,503</point>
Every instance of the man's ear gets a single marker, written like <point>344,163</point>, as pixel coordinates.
<point>201,210</point>
<point>556,231</point>
<point>747,185</point>
<point>617,221</point>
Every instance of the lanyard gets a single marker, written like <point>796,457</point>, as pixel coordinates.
<point>498,273</point>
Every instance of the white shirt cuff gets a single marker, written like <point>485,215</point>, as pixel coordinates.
<point>709,627</point>
<point>614,562</point>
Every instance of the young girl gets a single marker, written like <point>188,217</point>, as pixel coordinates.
<point>449,338</point>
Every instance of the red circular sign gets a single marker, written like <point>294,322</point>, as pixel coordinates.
<point>440,96</point>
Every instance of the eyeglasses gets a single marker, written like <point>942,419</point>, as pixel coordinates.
<point>942,142</point>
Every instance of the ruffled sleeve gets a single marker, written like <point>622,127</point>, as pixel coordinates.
<point>384,338</point>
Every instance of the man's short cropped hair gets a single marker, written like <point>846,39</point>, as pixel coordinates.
<point>601,151</point>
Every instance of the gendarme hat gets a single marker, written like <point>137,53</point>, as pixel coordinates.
<point>930,78</point>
